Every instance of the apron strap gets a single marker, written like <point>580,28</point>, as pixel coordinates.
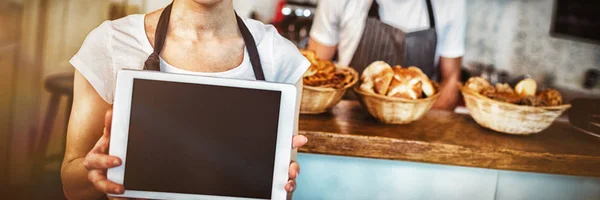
<point>374,12</point>
<point>153,61</point>
<point>431,14</point>
<point>252,51</point>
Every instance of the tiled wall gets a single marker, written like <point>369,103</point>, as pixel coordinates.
<point>514,35</point>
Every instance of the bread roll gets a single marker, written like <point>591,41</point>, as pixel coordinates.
<point>427,85</point>
<point>550,97</point>
<point>407,91</point>
<point>380,75</point>
<point>368,87</point>
<point>504,88</point>
<point>406,84</point>
<point>478,84</point>
<point>526,87</point>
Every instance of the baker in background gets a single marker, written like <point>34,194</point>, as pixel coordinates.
<point>429,34</point>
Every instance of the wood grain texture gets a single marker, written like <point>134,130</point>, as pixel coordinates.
<point>452,139</point>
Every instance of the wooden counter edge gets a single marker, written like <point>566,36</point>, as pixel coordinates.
<point>436,153</point>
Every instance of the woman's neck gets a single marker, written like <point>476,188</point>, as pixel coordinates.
<point>196,21</point>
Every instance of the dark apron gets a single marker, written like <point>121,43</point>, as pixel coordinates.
<point>382,42</point>
<point>153,61</point>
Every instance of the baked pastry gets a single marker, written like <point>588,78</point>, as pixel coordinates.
<point>325,66</point>
<point>378,74</point>
<point>323,73</point>
<point>426,84</point>
<point>488,91</point>
<point>531,101</point>
<point>550,97</point>
<point>504,88</point>
<point>508,97</point>
<point>478,84</point>
<point>523,94</point>
<point>407,83</point>
<point>410,83</point>
<point>317,79</point>
<point>312,57</point>
<point>337,79</point>
<point>526,87</point>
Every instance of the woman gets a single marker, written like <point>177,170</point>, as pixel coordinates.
<point>202,37</point>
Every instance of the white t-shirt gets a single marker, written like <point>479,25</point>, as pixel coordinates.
<point>341,23</point>
<point>123,44</point>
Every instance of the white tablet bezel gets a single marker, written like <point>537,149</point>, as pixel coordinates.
<point>120,128</point>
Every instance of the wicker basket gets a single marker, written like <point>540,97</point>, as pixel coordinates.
<point>510,118</point>
<point>317,100</point>
<point>390,110</point>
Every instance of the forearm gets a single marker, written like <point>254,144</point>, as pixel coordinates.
<point>450,81</point>
<point>449,91</point>
<point>75,182</point>
<point>323,51</point>
<point>450,71</point>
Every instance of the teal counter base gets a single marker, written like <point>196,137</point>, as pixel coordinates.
<point>326,177</point>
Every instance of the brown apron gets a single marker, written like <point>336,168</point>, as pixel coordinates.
<point>382,42</point>
<point>153,61</point>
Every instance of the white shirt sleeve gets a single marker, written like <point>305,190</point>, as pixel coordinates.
<point>453,37</point>
<point>326,24</point>
<point>94,61</point>
<point>288,61</point>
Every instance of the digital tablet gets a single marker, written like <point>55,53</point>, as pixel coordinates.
<point>193,137</point>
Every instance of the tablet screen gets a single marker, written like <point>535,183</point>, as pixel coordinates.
<point>201,139</point>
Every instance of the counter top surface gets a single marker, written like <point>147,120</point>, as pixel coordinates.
<point>449,138</point>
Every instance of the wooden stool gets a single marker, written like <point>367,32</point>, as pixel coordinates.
<point>58,85</point>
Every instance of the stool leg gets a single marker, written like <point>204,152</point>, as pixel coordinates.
<point>44,138</point>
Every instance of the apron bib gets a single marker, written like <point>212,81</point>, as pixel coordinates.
<point>153,61</point>
<point>382,42</point>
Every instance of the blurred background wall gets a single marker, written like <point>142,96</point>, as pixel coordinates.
<point>515,35</point>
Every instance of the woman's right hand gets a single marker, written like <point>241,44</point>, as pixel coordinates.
<point>97,162</point>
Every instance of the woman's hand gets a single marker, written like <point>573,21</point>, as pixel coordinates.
<point>97,162</point>
<point>297,142</point>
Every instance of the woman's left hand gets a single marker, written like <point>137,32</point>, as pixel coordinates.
<point>297,142</point>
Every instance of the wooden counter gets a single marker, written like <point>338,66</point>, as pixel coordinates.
<point>452,139</point>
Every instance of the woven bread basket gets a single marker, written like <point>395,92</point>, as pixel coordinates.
<point>317,100</point>
<point>391,110</point>
<point>510,118</point>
